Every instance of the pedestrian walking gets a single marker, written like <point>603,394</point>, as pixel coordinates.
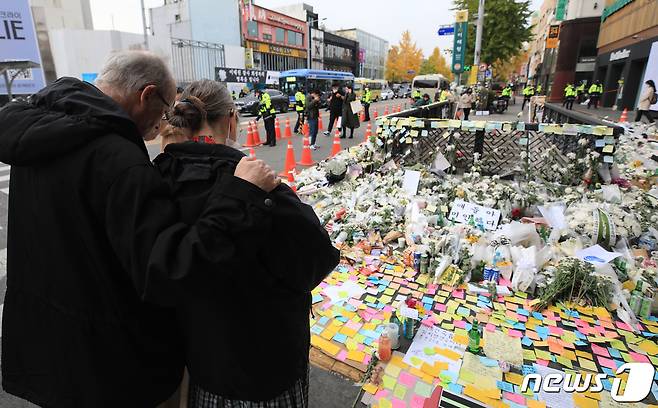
<point>268,113</point>
<point>230,363</point>
<point>312,115</point>
<point>349,120</point>
<point>335,107</point>
<point>528,92</point>
<point>300,108</point>
<point>465,102</point>
<point>96,243</point>
<point>595,92</point>
<point>366,98</point>
<point>647,98</point>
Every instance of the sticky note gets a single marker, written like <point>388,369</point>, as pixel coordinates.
<point>587,364</point>
<point>423,389</point>
<point>356,355</point>
<point>449,354</point>
<point>392,370</point>
<point>400,391</point>
<point>388,382</point>
<point>407,379</point>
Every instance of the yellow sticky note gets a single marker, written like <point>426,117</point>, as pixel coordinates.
<point>370,388</point>
<point>514,378</point>
<point>608,149</point>
<point>535,404</point>
<point>584,402</point>
<point>463,340</point>
<point>447,353</point>
<point>587,364</point>
<point>392,370</point>
<point>356,355</point>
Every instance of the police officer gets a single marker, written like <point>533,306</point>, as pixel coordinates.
<point>233,95</point>
<point>300,107</point>
<point>506,94</point>
<point>416,95</point>
<point>528,92</point>
<point>268,113</point>
<point>538,89</point>
<point>580,91</point>
<point>366,98</point>
<point>569,96</point>
<point>595,92</point>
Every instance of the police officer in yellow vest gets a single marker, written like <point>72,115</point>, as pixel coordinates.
<point>595,92</point>
<point>300,107</point>
<point>569,96</point>
<point>506,94</point>
<point>538,89</point>
<point>528,92</point>
<point>416,95</point>
<point>366,99</point>
<point>268,113</point>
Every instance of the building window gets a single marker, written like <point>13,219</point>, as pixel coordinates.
<point>267,37</point>
<point>280,35</point>
<point>177,18</point>
<point>292,37</point>
<point>252,29</point>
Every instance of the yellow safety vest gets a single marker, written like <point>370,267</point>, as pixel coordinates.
<point>366,98</point>
<point>300,97</point>
<point>265,105</point>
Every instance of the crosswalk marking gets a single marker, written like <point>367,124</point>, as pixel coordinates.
<point>4,177</point>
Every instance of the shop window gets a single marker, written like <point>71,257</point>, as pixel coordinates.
<point>267,37</point>
<point>252,29</point>
<point>280,35</point>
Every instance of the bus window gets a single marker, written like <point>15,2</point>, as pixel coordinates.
<point>426,83</point>
<point>358,86</point>
<point>290,85</point>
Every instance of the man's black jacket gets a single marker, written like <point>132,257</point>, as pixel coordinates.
<point>95,247</point>
<point>246,327</point>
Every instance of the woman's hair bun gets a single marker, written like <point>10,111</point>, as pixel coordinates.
<point>188,113</point>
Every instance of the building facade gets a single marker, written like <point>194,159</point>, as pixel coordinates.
<point>276,42</point>
<point>629,30</point>
<point>372,52</point>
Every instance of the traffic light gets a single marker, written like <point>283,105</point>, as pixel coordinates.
<point>467,68</point>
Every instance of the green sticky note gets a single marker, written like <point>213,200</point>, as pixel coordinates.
<point>445,378</point>
<point>467,376</point>
<point>429,351</point>
<point>543,355</point>
<point>416,361</point>
<point>423,389</point>
<point>389,382</point>
<point>400,391</point>
<point>343,294</point>
<point>392,370</point>
<point>385,403</point>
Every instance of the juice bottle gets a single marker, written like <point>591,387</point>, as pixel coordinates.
<point>384,348</point>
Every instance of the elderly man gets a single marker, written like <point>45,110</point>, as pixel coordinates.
<point>95,244</point>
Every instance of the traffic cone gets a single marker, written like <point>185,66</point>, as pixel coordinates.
<point>250,137</point>
<point>336,146</point>
<point>277,129</point>
<point>305,130</point>
<point>291,181</point>
<point>287,132</point>
<point>254,131</point>
<point>624,116</point>
<point>368,132</point>
<point>386,110</point>
<point>307,159</point>
<point>290,161</point>
<point>374,115</point>
<point>320,125</point>
<point>362,117</point>
<point>252,153</point>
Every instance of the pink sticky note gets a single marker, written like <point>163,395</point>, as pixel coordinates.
<point>516,398</point>
<point>342,355</point>
<point>460,323</point>
<point>623,326</point>
<point>366,359</point>
<point>398,403</point>
<point>407,379</point>
<point>490,327</point>
<point>440,307</point>
<point>542,362</point>
<point>429,322</point>
<point>606,362</point>
<point>514,333</point>
<point>382,394</point>
<point>504,282</point>
<point>459,294</point>
<point>417,401</point>
<point>388,308</point>
<point>601,351</point>
<point>555,330</point>
<point>640,358</point>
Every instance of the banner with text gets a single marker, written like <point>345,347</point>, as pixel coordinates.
<point>252,76</point>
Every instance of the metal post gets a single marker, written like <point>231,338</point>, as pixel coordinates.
<point>310,44</point>
<point>478,34</point>
<point>146,37</point>
<point>8,85</point>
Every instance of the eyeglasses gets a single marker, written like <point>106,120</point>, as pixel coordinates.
<point>168,107</point>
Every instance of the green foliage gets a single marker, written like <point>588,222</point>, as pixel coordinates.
<point>506,28</point>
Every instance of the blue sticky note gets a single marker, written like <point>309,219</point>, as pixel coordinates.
<point>522,312</point>
<point>317,329</point>
<point>342,319</point>
<point>607,385</point>
<point>526,341</point>
<point>580,335</point>
<point>368,341</point>
<point>513,404</point>
<point>488,362</point>
<point>323,320</point>
<point>519,326</point>
<point>317,298</point>
<point>339,337</point>
<point>538,315</point>
<point>505,386</point>
<point>608,371</point>
<point>462,311</point>
<point>542,332</point>
<point>455,388</point>
<point>427,299</point>
<point>579,343</point>
<point>614,352</point>
<point>528,369</point>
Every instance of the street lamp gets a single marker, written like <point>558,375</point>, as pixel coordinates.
<point>310,39</point>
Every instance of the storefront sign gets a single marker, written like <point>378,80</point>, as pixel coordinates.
<point>459,47</point>
<point>18,42</point>
<point>619,55</point>
<point>253,76</point>
<point>560,9</point>
<point>276,49</point>
<point>553,35</point>
<point>248,58</point>
<point>284,21</point>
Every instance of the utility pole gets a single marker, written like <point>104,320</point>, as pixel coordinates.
<point>146,36</point>
<point>478,34</point>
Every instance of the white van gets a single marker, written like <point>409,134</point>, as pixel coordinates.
<point>428,84</point>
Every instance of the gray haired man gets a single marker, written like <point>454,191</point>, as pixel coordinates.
<point>95,245</point>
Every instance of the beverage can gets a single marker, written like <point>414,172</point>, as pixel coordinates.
<point>424,263</point>
<point>486,273</point>
<point>495,275</point>
<point>635,302</point>
<point>645,307</point>
<point>417,256</point>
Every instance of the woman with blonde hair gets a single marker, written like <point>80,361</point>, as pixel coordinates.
<point>246,325</point>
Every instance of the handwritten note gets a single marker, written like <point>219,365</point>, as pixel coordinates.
<point>463,212</point>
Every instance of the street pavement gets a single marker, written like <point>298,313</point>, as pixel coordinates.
<point>327,390</point>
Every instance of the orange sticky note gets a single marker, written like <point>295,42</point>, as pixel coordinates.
<point>356,355</point>
<point>535,404</point>
<point>463,340</point>
<point>452,355</point>
<point>584,402</point>
<point>326,346</point>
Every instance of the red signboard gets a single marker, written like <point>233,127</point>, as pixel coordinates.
<point>267,22</point>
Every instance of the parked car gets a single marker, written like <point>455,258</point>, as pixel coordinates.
<point>387,94</point>
<point>403,91</point>
<point>249,103</point>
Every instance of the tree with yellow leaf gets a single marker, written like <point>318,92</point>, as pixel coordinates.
<point>506,70</point>
<point>436,64</point>
<point>404,60</point>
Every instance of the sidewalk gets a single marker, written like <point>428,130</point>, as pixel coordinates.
<point>603,113</point>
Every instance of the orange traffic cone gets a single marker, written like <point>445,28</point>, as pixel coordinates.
<point>306,131</point>
<point>368,132</point>
<point>250,137</point>
<point>624,116</point>
<point>290,161</point>
<point>362,117</point>
<point>374,115</point>
<point>277,129</point>
<point>336,146</point>
<point>386,110</point>
<point>254,127</point>
<point>320,125</point>
<point>291,181</point>
<point>287,132</point>
<point>307,159</point>
<point>399,108</point>
<point>252,153</point>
